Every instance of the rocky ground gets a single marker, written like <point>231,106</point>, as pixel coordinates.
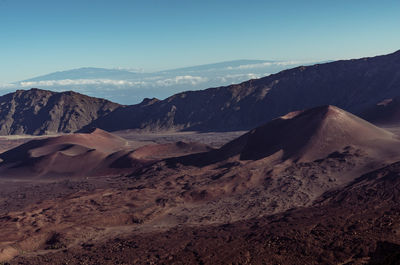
<point>255,200</point>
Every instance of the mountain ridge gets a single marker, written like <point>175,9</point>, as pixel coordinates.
<point>37,111</point>
<point>72,73</point>
<point>85,72</point>
<point>353,85</point>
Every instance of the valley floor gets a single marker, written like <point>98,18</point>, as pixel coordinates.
<point>132,219</point>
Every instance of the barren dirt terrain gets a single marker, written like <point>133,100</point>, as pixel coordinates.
<point>319,186</point>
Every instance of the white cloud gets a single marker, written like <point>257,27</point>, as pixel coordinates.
<point>150,82</point>
<point>182,80</point>
<point>132,70</point>
<point>7,85</point>
<point>239,77</point>
<point>75,82</point>
<point>266,64</point>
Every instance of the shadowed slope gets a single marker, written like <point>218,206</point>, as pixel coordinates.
<point>386,112</point>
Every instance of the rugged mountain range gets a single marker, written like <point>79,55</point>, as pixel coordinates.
<point>38,111</point>
<point>353,85</point>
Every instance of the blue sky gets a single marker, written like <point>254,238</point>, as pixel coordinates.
<point>42,36</point>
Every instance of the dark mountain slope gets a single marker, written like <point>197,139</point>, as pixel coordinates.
<point>38,111</point>
<point>352,85</point>
<point>386,112</point>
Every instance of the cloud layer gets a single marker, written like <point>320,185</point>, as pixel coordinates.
<point>131,89</point>
<point>153,82</point>
<point>263,65</point>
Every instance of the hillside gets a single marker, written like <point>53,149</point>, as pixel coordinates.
<point>38,111</point>
<point>386,112</point>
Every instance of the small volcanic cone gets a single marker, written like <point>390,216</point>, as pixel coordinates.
<point>311,134</point>
<point>95,152</point>
<point>74,154</point>
<point>305,136</point>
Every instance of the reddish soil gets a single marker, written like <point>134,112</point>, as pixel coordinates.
<point>356,225</point>
<point>95,153</point>
<point>288,192</point>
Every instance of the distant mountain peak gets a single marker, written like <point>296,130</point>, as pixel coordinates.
<point>85,73</point>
